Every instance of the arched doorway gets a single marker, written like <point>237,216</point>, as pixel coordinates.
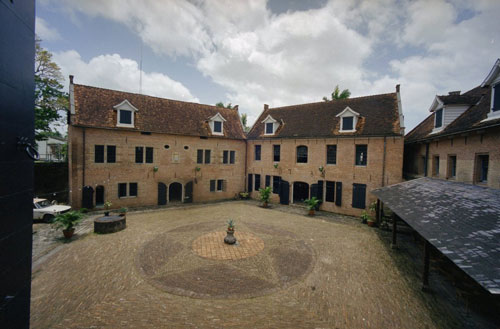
<point>300,192</point>
<point>162,194</point>
<point>88,197</point>
<point>175,192</point>
<point>99,195</point>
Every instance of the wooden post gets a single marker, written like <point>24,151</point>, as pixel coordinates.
<point>425,274</point>
<point>394,230</point>
<point>377,210</point>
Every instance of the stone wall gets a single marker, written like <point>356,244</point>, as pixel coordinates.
<point>344,170</point>
<point>175,158</point>
<point>466,148</point>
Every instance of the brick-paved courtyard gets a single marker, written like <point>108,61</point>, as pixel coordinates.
<point>311,273</point>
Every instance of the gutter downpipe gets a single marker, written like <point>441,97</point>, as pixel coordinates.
<point>383,161</point>
<point>83,161</point>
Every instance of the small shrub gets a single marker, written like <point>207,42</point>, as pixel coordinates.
<point>312,203</point>
<point>365,217</point>
<point>67,220</point>
<point>230,225</point>
<point>265,194</point>
<point>84,210</point>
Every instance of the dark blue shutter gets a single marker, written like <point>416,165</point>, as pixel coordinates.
<point>232,156</point>
<point>359,196</point>
<point>319,195</point>
<point>276,184</point>
<point>132,189</point>
<point>268,180</point>
<point>330,191</point>
<point>338,192</point>
<point>250,182</point>
<point>225,155</point>
<point>212,185</point>
<point>207,156</point>
<point>284,192</point>
<point>257,182</point>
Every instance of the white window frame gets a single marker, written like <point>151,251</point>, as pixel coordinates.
<point>270,119</point>
<point>220,118</point>
<point>348,112</point>
<point>493,80</point>
<point>125,106</point>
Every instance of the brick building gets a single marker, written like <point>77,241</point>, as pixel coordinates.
<point>337,151</point>
<point>460,139</point>
<point>135,150</point>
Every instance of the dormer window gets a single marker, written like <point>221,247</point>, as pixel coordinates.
<point>218,127</point>
<point>347,123</point>
<point>493,81</point>
<point>269,128</point>
<point>495,99</point>
<point>270,125</point>
<point>438,120</point>
<point>348,120</point>
<point>125,114</point>
<point>217,124</point>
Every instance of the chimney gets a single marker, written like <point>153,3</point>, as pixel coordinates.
<point>457,92</point>
<point>397,88</point>
<point>266,107</point>
<point>71,79</point>
<point>235,107</point>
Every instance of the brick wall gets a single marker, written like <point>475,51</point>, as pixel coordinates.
<point>466,148</point>
<point>344,170</point>
<point>175,164</point>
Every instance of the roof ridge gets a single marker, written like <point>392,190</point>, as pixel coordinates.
<point>157,97</point>
<point>336,100</point>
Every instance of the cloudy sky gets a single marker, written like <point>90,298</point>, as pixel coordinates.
<point>274,52</point>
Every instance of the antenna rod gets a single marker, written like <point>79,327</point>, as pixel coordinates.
<point>140,72</point>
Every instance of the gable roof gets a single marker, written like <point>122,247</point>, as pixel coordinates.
<point>469,120</point>
<point>379,116</point>
<point>94,107</point>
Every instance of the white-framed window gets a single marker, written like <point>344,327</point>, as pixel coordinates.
<point>125,116</point>
<point>130,192</point>
<point>493,81</point>
<point>438,118</point>
<point>270,125</point>
<point>348,120</point>
<point>217,124</point>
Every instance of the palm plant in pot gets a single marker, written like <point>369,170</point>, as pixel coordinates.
<point>230,238</point>
<point>107,205</point>
<point>67,222</point>
<point>265,196</point>
<point>312,204</point>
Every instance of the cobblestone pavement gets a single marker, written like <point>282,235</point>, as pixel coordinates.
<point>101,281</point>
<point>211,245</point>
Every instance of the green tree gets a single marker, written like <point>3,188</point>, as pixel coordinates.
<point>50,99</point>
<point>337,94</point>
<point>220,104</point>
<point>244,120</point>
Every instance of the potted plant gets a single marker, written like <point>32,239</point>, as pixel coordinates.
<point>265,195</point>
<point>244,195</point>
<point>370,222</point>
<point>275,166</point>
<point>107,205</point>
<point>122,211</point>
<point>230,239</point>
<point>67,221</point>
<point>312,203</point>
<point>365,217</point>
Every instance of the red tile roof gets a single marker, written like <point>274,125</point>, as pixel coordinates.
<point>379,116</point>
<point>94,108</point>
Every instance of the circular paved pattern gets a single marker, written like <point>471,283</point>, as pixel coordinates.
<point>268,259</point>
<point>211,245</point>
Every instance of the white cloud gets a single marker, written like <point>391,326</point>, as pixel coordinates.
<point>44,31</point>
<point>115,72</point>
<point>300,56</point>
